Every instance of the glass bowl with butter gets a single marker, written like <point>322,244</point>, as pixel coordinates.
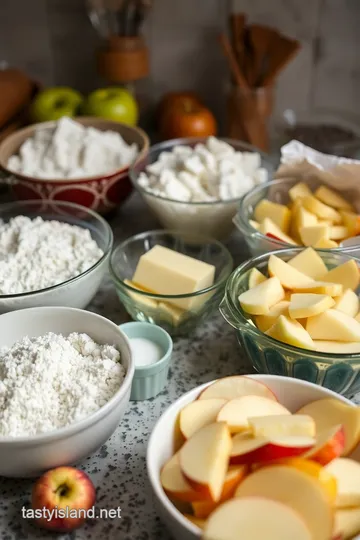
<point>175,280</point>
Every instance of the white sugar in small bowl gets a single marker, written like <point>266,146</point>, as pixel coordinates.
<point>79,290</point>
<point>31,456</point>
<point>293,393</point>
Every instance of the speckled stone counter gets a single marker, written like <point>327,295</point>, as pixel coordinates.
<point>118,470</point>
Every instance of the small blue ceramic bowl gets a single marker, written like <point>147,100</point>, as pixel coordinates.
<point>149,380</point>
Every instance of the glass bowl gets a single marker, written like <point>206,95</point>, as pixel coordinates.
<point>154,308</point>
<point>337,372</point>
<point>212,219</point>
<point>275,191</point>
<point>78,291</point>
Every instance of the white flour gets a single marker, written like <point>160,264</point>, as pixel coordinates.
<point>35,254</point>
<point>51,381</point>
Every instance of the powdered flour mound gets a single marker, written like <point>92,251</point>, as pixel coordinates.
<point>52,381</point>
<point>35,254</point>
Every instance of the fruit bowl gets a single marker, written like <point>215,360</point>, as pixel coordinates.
<point>292,393</point>
<point>337,372</point>
<point>100,193</point>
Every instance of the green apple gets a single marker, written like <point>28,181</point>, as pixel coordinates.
<point>112,103</point>
<point>53,103</point>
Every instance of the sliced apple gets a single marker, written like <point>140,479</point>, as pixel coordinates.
<point>269,228</point>
<point>303,218</point>
<point>329,413</point>
<point>333,325</point>
<point>282,425</point>
<point>264,322</point>
<point>260,299</point>
<point>310,263</point>
<point>333,199</point>
<point>326,243</point>
<point>329,445</point>
<point>299,191</point>
<point>348,303</point>
<point>351,221</point>
<point>204,459</point>
<point>202,509</point>
<point>297,489</point>
<point>250,450</point>
<point>304,305</point>
<point>347,274</point>
<point>237,386</point>
<point>314,234</point>
<point>347,474</point>
<point>254,224</point>
<point>288,276</point>
<point>278,213</point>
<point>255,518</point>
<point>321,210</point>
<point>255,278</point>
<point>320,287</point>
<point>338,232</point>
<point>337,347</point>
<point>237,411</point>
<point>196,521</point>
<point>198,414</point>
<point>347,523</point>
<point>292,332</point>
<point>174,482</point>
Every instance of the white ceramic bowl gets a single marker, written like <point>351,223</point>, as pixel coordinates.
<point>293,393</point>
<point>31,456</point>
<point>78,291</point>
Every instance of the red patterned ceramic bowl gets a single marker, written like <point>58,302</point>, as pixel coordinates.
<point>100,193</point>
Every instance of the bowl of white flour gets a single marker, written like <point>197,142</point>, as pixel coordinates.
<point>82,160</point>
<point>65,381</point>
<point>51,254</point>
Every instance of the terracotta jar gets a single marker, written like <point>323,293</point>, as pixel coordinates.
<point>123,59</point>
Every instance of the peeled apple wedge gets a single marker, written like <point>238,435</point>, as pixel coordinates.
<point>295,488</point>
<point>331,198</point>
<point>314,234</point>
<point>260,299</point>
<point>347,474</point>
<point>174,482</point>
<point>278,213</point>
<point>288,276</point>
<point>292,332</point>
<point>268,227</point>
<point>237,411</point>
<point>255,278</point>
<point>264,322</point>
<point>282,425</point>
<point>310,263</point>
<point>237,386</point>
<point>255,518</point>
<point>346,274</point>
<point>337,347</point>
<point>347,523</point>
<point>351,221</point>
<point>326,243</point>
<point>198,414</point>
<point>320,287</point>
<point>300,190</point>
<point>333,325</point>
<point>204,459</point>
<point>303,218</point>
<point>338,232</point>
<point>329,413</point>
<point>308,304</point>
<point>348,303</point>
<point>321,210</point>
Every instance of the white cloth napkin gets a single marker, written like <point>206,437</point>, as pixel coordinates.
<point>302,162</point>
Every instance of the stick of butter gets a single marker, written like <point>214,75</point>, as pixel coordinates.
<point>165,271</point>
<point>139,298</point>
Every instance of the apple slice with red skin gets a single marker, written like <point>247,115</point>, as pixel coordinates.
<point>204,459</point>
<point>236,386</point>
<point>174,482</point>
<point>297,489</point>
<point>237,411</point>
<point>202,509</point>
<point>198,414</point>
<point>249,450</point>
<point>329,445</point>
<point>330,412</point>
<point>282,424</point>
<point>255,518</point>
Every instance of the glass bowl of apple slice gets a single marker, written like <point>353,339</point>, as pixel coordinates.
<point>284,213</point>
<point>269,456</point>
<point>296,312</point>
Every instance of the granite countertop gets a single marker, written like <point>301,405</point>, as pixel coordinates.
<point>118,470</point>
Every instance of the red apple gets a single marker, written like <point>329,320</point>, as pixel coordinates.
<point>66,494</point>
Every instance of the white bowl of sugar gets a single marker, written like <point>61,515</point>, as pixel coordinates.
<point>65,383</point>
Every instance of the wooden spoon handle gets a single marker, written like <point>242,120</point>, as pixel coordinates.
<point>234,66</point>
